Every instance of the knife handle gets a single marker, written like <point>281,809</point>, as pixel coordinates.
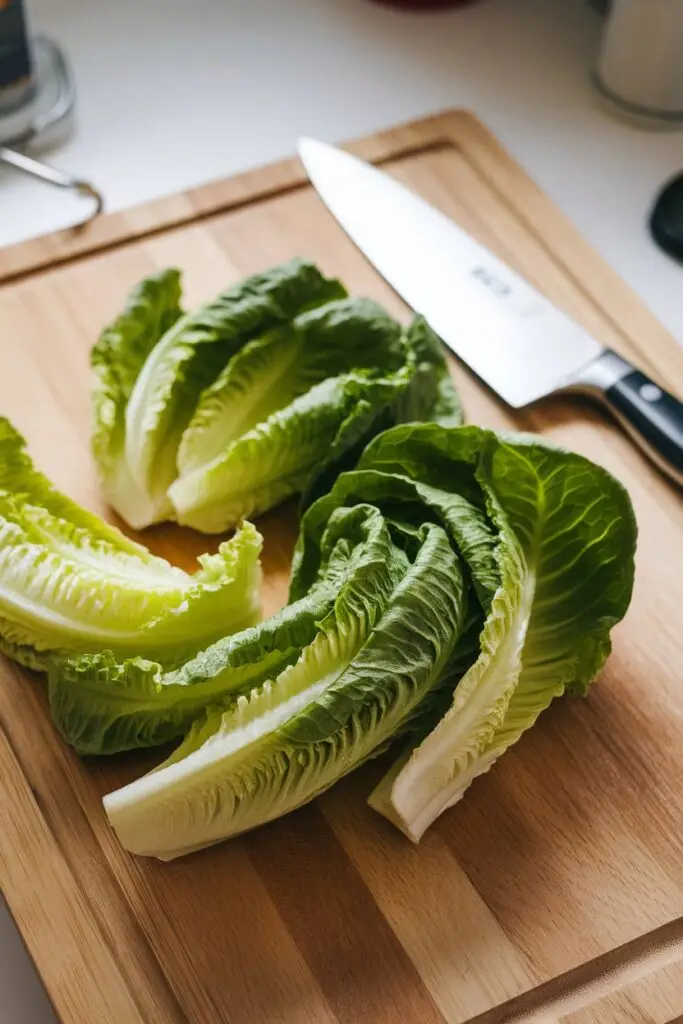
<point>652,416</point>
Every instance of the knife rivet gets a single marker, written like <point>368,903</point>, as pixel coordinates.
<point>650,392</point>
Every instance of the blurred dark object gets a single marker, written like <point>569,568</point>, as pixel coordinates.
<point>601,6</point>
<point>424,5</point>
<point>666,220</point>
<point>43,118</point>
<point>17,84</point>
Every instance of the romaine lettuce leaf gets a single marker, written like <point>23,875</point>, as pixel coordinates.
<point>117,359</point>
<point>566,537</point>
<point>376,655</point>
<point>103,705</point>
<point>271,389</point>
<point>190,356</point>
<point>497,568</point>
<point>432,396</point>
<point>421,390</point>
<point>70,582</point>
<point>303,445</point>
<point>271,371</point>
<point>276,458</point>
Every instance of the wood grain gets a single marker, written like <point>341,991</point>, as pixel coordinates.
<point>567,851</point>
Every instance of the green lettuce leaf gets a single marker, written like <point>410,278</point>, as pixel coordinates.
<point>190,356</point>
<point>423,390</point>
<point>198,416</point>
<point>70,582</point>
<point>276,458</point>
<point>376,655</point>
<point>270,372</point>
<point>493,568</point>
<point>302,446</point>
<point>117,359</point>
<point>432,396</point>
<point>102,705</point>
<point>566,537</point>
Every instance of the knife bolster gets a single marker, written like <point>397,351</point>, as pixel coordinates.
<point>602,373</point>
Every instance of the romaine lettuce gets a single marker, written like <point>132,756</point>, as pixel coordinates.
<point>104,706</point>
<point>70,582</point>
<point>222,412</point>
<point>354,686</point>
<point>495,568</point>
<point>152,364</point>
<point>565,541</point>
<point>117,359</point>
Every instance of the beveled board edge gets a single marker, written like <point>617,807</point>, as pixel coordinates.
<point>585,985</point>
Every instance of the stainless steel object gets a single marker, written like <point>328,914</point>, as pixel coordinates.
<point>490,317</point>
<point>34,123</point>
<point>52,176</point>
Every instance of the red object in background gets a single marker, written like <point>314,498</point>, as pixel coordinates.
<point>424,5</point>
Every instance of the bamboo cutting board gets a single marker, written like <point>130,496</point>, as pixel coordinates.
<point>558,882</point>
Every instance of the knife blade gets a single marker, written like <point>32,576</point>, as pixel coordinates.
<point>511,335</point>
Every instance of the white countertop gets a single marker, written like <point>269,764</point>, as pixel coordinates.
<point>172,94</point>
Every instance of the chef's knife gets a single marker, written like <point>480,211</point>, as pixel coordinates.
<point>513,338</point>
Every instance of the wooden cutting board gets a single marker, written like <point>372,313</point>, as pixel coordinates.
<point>562,868</point>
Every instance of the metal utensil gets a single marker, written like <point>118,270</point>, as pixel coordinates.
<point>490,317</point>
<point>52,176</point>
<point>50,63</point>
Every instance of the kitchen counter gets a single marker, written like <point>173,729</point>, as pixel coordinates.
<point>172,94</point>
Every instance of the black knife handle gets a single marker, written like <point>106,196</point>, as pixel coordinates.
<point>653,417</point>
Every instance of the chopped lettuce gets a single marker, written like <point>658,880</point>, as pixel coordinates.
<point>70,582</point>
